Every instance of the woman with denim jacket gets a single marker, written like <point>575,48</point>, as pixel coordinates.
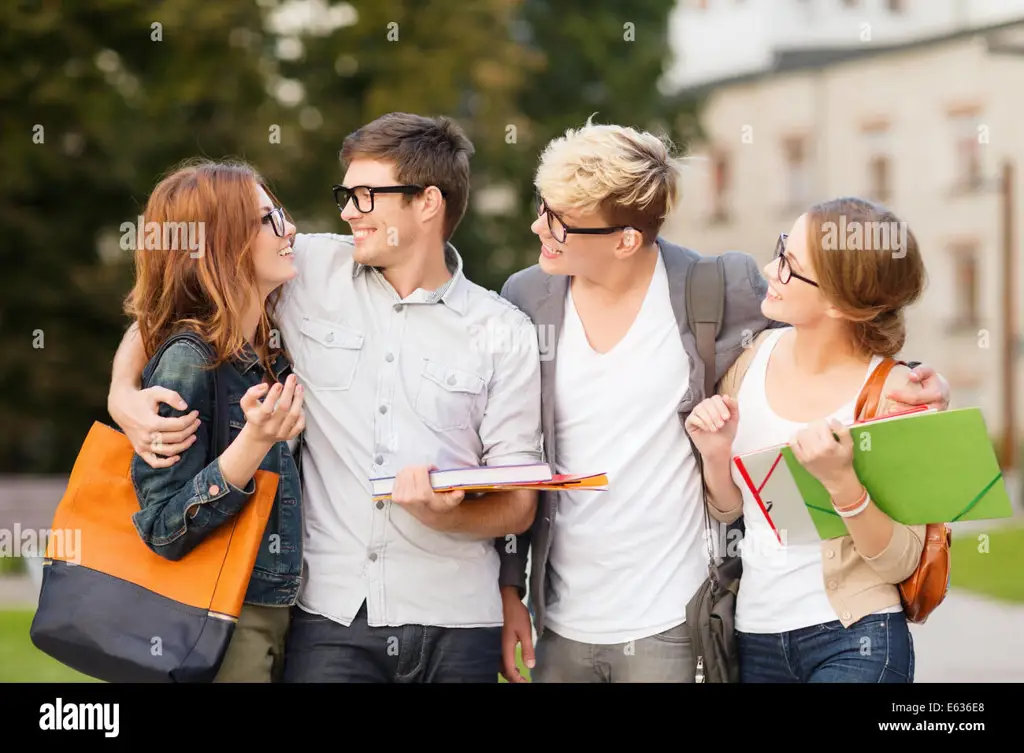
<point>829,611</point>
<point>222,289</point>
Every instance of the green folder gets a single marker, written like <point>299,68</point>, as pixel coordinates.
<point>933,467</point>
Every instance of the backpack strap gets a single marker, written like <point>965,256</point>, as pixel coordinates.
<point>705,309</point>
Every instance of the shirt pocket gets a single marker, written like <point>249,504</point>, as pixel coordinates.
<point>328,354</point>
<point>447,395</point>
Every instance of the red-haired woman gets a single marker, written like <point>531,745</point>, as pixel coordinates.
<point>220,288</point>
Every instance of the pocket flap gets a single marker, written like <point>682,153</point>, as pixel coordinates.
<point>331,334</point>
<point>451,378</point>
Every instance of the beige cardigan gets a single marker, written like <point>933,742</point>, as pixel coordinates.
<point>856,585</point>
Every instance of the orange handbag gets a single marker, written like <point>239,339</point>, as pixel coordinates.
<point>112,608</point>
<point>926,588</point>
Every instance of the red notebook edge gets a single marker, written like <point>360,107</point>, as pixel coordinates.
<point>756,493</point>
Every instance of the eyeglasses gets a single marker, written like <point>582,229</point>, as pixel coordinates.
<point>785,269</point>
<point>277,221</point>
<point>363,196</point>
<point>560,231</point>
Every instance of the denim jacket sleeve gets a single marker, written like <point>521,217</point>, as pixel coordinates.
<point>182,504</point>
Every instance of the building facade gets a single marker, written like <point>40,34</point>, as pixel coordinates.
<point>925,126</point>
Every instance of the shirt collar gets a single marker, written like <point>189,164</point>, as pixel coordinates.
<point>453,293</point>
<point>248,360</point>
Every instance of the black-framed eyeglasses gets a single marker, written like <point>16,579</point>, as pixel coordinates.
<point>785,268</point>
<point>560,230</point>
<point>277,221</point>
<point>363,196</point>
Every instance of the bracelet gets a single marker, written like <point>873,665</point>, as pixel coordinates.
<point>860,506</point>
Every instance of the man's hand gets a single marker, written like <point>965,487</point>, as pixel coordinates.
<point>517,631</point>
<point>158,440</point>
<point>932,389</point>
<point>414,493</point>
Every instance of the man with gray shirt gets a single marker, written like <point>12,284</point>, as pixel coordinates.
<point>611,573</point>
<point>383,328</point>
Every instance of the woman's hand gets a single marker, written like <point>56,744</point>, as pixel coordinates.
<point>712,426</point>
<point>828,459</point>
<point>279,416</point>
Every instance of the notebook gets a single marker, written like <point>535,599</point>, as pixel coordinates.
<point>498,478</point>
<point>922,466</point>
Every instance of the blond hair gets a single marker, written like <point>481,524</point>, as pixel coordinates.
<point>629,177</point>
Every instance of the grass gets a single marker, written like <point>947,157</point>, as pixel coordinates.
<point>12,566</point>
<point>990,564</point>
<point>522,667</point>
<point>20,661</point>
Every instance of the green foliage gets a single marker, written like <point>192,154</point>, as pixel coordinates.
<point>97,104</point>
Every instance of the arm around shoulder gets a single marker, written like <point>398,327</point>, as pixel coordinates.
<point>182,503</point>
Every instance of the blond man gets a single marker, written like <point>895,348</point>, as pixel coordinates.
<point>611,572</point>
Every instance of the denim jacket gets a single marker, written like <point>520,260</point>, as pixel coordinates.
<point>166,520</point>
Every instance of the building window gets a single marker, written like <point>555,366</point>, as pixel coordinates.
<point>879,177</point>
<point>798,172</point>
<point>719,187</point>
<point>896,6</point>
<point>851,3</point>
<point>967,143</point>
<point>879,165</point>
<point>966,288</point>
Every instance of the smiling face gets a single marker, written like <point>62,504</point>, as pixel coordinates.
<point>579,255</point>
<point>382,232</point>
<point>795,301</point>
<point>271,253</point>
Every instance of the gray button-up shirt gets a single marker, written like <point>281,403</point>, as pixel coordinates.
<point>448,377</point>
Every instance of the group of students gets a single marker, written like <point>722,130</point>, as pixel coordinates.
<point>360,356</point>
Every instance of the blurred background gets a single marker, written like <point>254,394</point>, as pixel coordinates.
<point>777,103</point>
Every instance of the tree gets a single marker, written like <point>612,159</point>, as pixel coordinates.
<point>98,100</point>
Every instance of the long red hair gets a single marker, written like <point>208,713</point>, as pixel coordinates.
<point>206,290</point>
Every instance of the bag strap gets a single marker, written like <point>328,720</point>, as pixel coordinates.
<point>705,307</point>
<point>222,416</point>
<point>870,396</point>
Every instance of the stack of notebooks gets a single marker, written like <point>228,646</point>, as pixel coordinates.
<point>498,478</point>
<point>920,467</point>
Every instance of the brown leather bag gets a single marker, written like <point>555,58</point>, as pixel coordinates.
<point>926,588</point>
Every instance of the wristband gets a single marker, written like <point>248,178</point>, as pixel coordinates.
<point>860,506</point>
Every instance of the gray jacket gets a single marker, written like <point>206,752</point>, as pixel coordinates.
<point>542,297</point>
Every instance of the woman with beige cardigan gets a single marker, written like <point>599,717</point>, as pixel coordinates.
<point>828,612</point>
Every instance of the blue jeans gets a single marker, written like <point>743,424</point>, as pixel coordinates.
<point>321,650</point>
<point>877,648</point>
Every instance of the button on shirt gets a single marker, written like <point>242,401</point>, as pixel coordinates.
<point>449,378</point>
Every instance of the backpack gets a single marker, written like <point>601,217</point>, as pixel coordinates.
<point>710,612</point>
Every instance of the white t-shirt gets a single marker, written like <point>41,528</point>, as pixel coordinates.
<point>625,562</point>
<point>782,588</point>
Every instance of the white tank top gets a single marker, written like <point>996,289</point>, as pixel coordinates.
<point>782,588</point>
